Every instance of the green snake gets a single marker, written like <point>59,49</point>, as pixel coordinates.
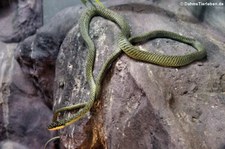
<point>125,45</point>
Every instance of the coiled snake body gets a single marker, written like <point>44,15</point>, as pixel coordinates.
<point>125,45</point>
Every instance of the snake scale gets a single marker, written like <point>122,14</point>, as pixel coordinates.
<point>125,45</point>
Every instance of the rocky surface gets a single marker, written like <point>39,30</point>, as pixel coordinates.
<point>12,145</point>
<point>144,105</point>
<point>38,53</point>
<point>141,105</point>
<point>26,20</point>
<point>23,114</point>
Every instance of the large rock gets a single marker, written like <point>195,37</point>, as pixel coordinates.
<point>27,19</point>
<point>23,114</point>
<point>141,105</point>
<point>37,54</point>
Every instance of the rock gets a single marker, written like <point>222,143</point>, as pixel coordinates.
<point>143,105</point>
<point>11,145</point>
<point>27,19</point>
<point>23,114</point>
<point>27,99</point>
<point>38,53</point>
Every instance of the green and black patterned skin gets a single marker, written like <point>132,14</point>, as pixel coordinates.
<point>124,45</point>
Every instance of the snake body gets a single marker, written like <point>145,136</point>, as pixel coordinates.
<point>125,45</point>
<point>160,59</point>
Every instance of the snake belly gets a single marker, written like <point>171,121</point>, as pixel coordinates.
<point>125,45</point>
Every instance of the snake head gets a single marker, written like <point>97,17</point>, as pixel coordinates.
<point>56,125</point>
